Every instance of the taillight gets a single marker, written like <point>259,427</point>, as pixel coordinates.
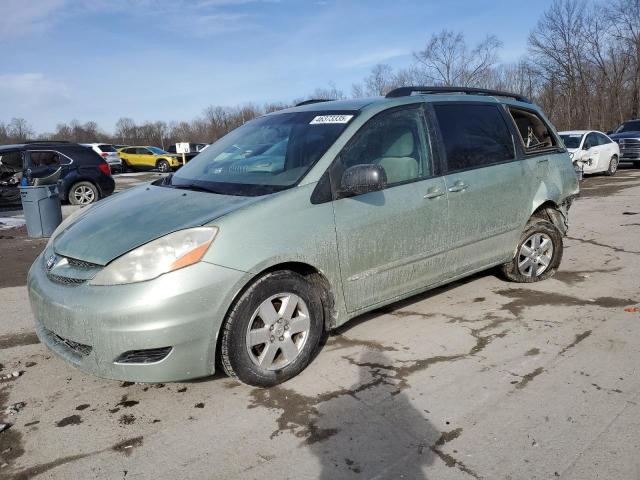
<point>104,154</point>
<point>104,168</point>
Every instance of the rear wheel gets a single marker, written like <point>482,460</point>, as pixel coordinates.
<point>125,167</point>
<point>83,193</point>
<point>538,255</point>
<point>163,166</point>
<point>273,330</point>
<point>613,166</point>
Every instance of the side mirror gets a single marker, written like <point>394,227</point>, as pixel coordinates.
<point>361,179</point>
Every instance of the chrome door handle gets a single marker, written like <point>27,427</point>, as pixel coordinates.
<point>433,193</point>
<point>458,187</point>
<point>544,160</point>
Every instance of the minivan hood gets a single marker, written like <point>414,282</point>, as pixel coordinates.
<point>132,218</point>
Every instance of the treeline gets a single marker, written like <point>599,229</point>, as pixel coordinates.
<point>582,67</point>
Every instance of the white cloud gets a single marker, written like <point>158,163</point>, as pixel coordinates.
<point>20,92</point>
<point>373,58</point>
<point>23,17</point>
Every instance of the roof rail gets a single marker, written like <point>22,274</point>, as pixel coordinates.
<point>45,142</point>
<point>406,91</point>
<point>313,100</point>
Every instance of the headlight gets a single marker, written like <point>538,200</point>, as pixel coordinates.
<point>166,254</point>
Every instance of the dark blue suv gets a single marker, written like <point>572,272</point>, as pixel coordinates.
<point>85,176</point>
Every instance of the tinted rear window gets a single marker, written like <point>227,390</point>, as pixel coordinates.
<point>106,148</point>
<point>474,135</point>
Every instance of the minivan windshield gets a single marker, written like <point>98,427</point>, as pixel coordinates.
<point>633,126</point>
<point>266,155</point>
<point>571,140</point>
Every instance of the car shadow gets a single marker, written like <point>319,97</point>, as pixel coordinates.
<point>374,431</point>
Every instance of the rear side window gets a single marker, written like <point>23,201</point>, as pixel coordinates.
<point>106,148</point>
<point>534,132</point>
<point>603,139</point>
<point>44,159</point>
<point>474,135</point>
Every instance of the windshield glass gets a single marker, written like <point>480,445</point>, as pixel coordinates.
<point>572,140</point>
<point>268,154</point>
<point>157,151</point>
<point>629,127</point>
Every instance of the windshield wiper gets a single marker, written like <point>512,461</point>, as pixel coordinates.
<point>193,187</point>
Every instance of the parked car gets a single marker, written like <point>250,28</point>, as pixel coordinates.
<point>194,149</point>
<point>249,259</point>
<point>85,177</point>
<point>592,151</point>
<point>627,136</point>
<point>148,158</point>
<point>109,153</point>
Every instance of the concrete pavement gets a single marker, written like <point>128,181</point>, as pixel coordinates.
<point>479,379</point>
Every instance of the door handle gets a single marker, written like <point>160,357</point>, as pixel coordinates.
<point>458,186</point>
<point>434,192</point>
<point>544,160</point>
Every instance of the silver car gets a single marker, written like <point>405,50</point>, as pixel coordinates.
<point>297,222</point>
<point>109,153</point>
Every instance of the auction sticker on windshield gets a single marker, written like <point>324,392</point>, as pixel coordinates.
<point>323,119</point>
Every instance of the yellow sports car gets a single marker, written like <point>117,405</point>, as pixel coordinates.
<point>146,158</point>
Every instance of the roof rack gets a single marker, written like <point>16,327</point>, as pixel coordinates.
<point>313,100</point>
<point>406,91</point>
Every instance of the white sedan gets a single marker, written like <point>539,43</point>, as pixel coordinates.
<point>592,151</point>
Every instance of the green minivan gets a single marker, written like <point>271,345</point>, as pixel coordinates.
<point>296,222</point>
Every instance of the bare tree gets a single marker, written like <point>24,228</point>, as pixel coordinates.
<point>19,130</point>
<point>447,59</point>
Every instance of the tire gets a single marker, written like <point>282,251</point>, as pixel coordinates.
<point>163,166</point>
<point>517,270</point>
<point>125,167</point>
<point>613,166</point>
<point>83,193</point>
<point>246,356</point>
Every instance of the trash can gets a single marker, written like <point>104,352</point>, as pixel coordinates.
<point>42,210</point>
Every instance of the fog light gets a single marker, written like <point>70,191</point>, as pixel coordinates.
<point>151,355</point>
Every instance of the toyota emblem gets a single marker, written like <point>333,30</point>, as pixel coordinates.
<point>51,261</point>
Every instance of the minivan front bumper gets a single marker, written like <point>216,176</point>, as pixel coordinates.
<point>92,326</point>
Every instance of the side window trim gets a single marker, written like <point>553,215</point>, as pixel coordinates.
<point>28,163</point>
<point>442,153</point>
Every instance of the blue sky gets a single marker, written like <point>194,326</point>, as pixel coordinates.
<point>169,59</point>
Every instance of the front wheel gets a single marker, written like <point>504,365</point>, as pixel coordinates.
<point>83,193</point>
<point>613,166</point>
<point>164,166</point>
<point>273,330</point>
<point>538,255</point>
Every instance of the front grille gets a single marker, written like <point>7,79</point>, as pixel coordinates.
<point>78,348</point>
<point>151,355</point>
<point>81,263</point>
<point>65,280</point>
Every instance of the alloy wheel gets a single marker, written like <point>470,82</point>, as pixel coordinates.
<point>84,195</point>
<point>613,165</point>
<point>535,255</point>
<point>278,331</point>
